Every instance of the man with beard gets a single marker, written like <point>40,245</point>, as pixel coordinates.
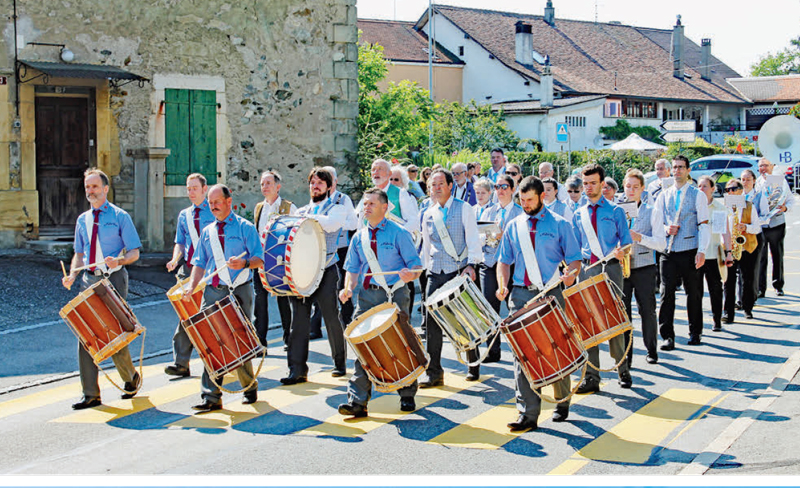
<point>535,243</point>
<point>101,233</point>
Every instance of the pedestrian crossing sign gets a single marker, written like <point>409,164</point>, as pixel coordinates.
<point>562,133</point>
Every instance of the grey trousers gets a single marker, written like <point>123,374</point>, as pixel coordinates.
<point>528,402</point>
<point>244,295</point>
<point>616,344</point>
<point>181,345</point>
<point>642,285</point>
<point>122,359</point>
<point>359,388</point>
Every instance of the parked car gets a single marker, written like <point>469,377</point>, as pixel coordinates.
<point>723,168</point>
<point>792,175</point>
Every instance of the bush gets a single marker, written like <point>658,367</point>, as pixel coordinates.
<point>623,129</point>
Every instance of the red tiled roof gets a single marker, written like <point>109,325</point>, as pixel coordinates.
<point>597,58</point>
<point>401,42</point>
<point>769,88</point>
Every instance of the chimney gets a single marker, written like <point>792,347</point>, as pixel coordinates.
<point>677,50</point>
<point>550,13</point>
<point>546,85</point>
<point>705,59</point>
<point>524,43</point>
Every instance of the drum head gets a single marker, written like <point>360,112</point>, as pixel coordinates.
<point>447,292</point>
<point>372,322</point>
<point>308,256</point>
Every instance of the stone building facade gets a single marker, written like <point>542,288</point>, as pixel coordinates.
<point>231,89</point>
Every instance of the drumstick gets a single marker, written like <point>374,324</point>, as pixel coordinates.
<point>392,272</point>
<point>609,256</point>
<point>94,265</point>
<point>63,269</point>
<point>553,284</point>
<point>216,272</point>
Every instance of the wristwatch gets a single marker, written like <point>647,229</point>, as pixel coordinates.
<point>246,264</point>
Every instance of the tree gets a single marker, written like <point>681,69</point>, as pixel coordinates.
<point>623,129</point>
<point>781,63</point>
<point>474,127</point>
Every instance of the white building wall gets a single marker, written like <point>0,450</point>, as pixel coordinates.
<point>543,127</point>
<point>483,77</point>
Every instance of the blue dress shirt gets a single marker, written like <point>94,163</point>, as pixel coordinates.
<point>115,232</point>
<point>395,251</point>
<point>612,228</point>
<point>240,235</point>
<point>185,219</point>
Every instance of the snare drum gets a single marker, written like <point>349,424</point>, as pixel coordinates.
<point>543,342</point>
<point>223,337</point>
<point>596,310</point>
<point>102,320</point>
<point>464,314</point>
<point>294,256</point>
<point>182,308</point>
<point>389,349</point>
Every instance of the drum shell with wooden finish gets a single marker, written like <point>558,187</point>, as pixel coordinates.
<point>294,256</point>
<point>223,337</point>
<point>185,309</point>
<point>102,320</point>
<point>389,349</point>
<point>544,342</point>
<point>596,310</point>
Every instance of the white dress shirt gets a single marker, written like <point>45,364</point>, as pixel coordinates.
<point>336,219</point>
<point>761,185</point>
<point>657,241</point>
<point>716,239</point>
<point>472,238</point>
<point>267,212</point>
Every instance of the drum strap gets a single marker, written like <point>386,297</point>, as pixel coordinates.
<point>586,223</point>
<point>98,257</point>
<point>375,267</point>
<point>447,241</point>
<point>219,261</point>
<point>528,253</point>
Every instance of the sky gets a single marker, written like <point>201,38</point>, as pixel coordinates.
<point>740,31</point>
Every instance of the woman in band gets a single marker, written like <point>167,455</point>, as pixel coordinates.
<point>718,248</point>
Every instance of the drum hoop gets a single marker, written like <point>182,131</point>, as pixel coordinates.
<point>459,284</point>
<point>587,283</point>
<point>287,259</point>
<point>375,332</point>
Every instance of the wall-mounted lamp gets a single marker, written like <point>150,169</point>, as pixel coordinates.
<point>65,53</point>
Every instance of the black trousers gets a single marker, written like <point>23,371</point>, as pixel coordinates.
<point>487,277</point>
<point>759,251</point>
<point>710,271</point>
<point>346,308</point>
<point>642,285</point>
<point>679,267</point>
<point>746,267</point>
<point>773,240</point>
<point>262,312</point>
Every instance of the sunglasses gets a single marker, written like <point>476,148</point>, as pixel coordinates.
<point>412,171</point>
<point>458,173</point>
<point>733,189</point>
<point>397,180</point>
<point>573,191</point>
<point>512,173</point>
<point>503,186</point>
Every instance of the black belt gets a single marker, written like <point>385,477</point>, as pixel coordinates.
<point>529,288</point>
<point>374,287</point>
<point>588,262</point>
<point>226,287</point>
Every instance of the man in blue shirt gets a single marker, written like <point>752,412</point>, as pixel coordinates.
<point>601,228</point>
<point>498,160</point>
<point>391,249</point>
<point>221,242</point>
<point>102,233</point>
<point>191,221</point>
<point>552,241</point>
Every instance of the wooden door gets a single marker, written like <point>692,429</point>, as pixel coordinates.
<point>62,155</point>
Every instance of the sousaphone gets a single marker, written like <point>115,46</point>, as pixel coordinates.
<point>779,140</point>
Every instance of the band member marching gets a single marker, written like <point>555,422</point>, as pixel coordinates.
<point>450,247</point>
<point>647,233</point>
<point>780,200</point>
<point>463,188</point>
<point>221,244</point>
<point>601,228</point>
<point>745,224</point>
<point>191,221</point>
<point>382,246</point>
<point>718,249</point>
<point>535,243</point>
<point>551,199</point>
<point>101,233</point>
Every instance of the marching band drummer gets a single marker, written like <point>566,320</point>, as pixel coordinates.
<point>749,226</point>
<point>551,199</point>
<point>382,246</point>
<point>450,247</point>
<point>271,206</point>
<point>101,233</point>
<point>774,230</point>
<point>402,204</point>
<point>332,218</point>
<point>647,233</point>
<point>601,228</point>
<point>221,242</point>
<point>502,213</point>
<point>535,242</point>
<point>718,216</point>
<point>191,221</point>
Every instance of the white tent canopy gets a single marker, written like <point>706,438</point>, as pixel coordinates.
<point>634,142</point>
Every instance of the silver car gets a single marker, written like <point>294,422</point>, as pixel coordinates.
<point>723,167</point>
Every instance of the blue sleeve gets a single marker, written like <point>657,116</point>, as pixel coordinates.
<point>622,227</point>
<point>200,257</point>
<point>80,236</point>
<point>352,262</point>
<point>506,250</point>
<point>569,245</point>
<point>576,228</point>
<point>252,241</point>
<point>130,238</point>
<point>405,245</point>
<point>180,236</point>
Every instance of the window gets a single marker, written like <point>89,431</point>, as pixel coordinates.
<point>741,164</point>
<point>633,109</point>
<point>190,134</point>
<point>573,121</point>
<point>699,166</point>
<point>460,50</point>
<point>719,164</point>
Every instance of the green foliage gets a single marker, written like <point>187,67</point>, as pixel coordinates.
<point>623,129</point>
<point>795,111</point>
<point>781,63</point>
<point>732,142</point>
<point>693,150</point>
<point>477,128</point>
<point>446,160</point>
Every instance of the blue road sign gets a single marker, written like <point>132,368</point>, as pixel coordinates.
<point>562,133</point>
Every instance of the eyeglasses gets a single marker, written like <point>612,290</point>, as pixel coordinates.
<point>733,189</point>
<point>458,173</point>
<point>396,180</point>
<point>502,186</point>
<point>412,171</point>
<point>512,173</point>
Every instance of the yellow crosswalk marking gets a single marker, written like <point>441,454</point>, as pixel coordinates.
<point>148,399</point>
<point>386,409</point>
<point>568,467</point>
<point>273,399</point>
<point>489,430</point>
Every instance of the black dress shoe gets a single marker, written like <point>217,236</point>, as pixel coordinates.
<point>738,305</point>
<point>560,414</point>
<point>337,373</point>
<point>473,373</point>
<point>86,403</point>
<point>748,315</point>
<point>250,397</point>
<point>625,380</point>
<point>315,335</point>
<point>407,404</point>
<point>779,293</point>
<point>728,320</point>
<point>177,370</point>
<point>588,386</point>
<point>694,340</point>
<point>667,345</point>
<point>651,359</point>
<point>285,348</point>
<point>761,294</point>
<point>207,406</point>
<point>131,387</point>
<point>522,423</point>
<point>353,410</point>
<point>293,380</point>
<point>492,358</point>
<point>430,383</point>
<point>717,327</point>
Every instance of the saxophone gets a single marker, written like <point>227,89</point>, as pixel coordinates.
<point>737,239</point>
<point>626,260</point>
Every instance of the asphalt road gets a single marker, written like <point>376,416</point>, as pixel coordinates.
<point>728,406</point>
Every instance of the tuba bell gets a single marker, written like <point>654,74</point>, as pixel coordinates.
<point>779,140</point>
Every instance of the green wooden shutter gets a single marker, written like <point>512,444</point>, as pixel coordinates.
<point>178,165</point>
<point>191,134</point>
<point>203,129</point>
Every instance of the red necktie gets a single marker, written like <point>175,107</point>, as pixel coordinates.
<point>93,245</point>
<point>533,243</point>
<point>373,243</point>
<point>191,245</point>
<point>594,258</point>
<point>220,230</point>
